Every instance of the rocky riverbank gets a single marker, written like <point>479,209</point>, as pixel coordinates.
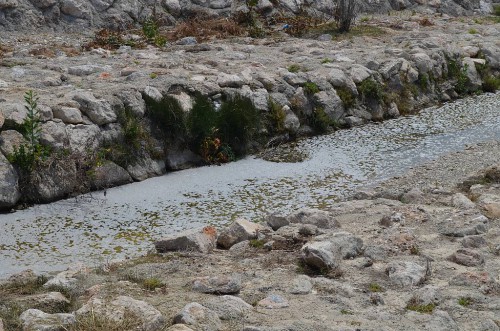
<point>423,257</point>
<point>98,126</point>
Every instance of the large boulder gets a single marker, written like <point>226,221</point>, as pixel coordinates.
<point>109,174</point>
<point>322,219</point>
<point>406,273</point>
<point>240,230</point>
<point>34,319</point>
<point>218,284</point>
<point>115,310</point>
<point>348,245</point>
<point>198,317</point>
<point>51,302</point>
<point>321,255</point>
<point>201,240</point>
<point>98,110</point>
<point>228,307</point>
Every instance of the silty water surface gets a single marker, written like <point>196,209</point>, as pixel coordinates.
<point>94,228</point>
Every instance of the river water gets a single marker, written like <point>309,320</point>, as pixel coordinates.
<point>95,228</point>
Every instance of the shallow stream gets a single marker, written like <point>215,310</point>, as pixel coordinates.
<point>95,228</point>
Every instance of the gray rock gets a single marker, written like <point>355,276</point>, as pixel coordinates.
<point>68,115</point>
<point>68,278</point>
<point>9,188</point>
<point>422,61</point>
<point>132,100</point>
<point>359,73</point>
<point>439,320</point>
<point>406,273</point>
<point>459,200</point>
<point>6,4</point>
<point>98,110</point>
<point>54,135</point>
<point>467,258</point>
<point>228,307</point>
<point>14,114</point>
<point>187,41</point>
<point>325,37</point>
<point>273,301</point>
<point>1,325</point>
<point>276,221</point>
<point>115,310</point>
<point>321,255</point>
<point>301,285</point>
<point>322,219</point>
<point>179,327</point>
<point>198,317</point>
<point>414,196</point>
<point>491,53</point>
<point>153,93</point>
<point>308,230</point>
<point>489,205</point>
<point>44,3</point>
<point>10,140</point>
<point>82,137</point>
<point>345,243</point>
<point>375,252</point>
<point>330,102</point>
<point>85,69</point>
<point>109,174</point>
<point>226,80</point>
<point>201,240</point>
<point>461,226</point>
<point>428,294</point>
<point>218,284</point>
<point>474,80</point>
<point>37,320</point>
<point>474,242</point>
<point>145,168</point>
<point>51,302</point>
<point>182,159</point>
<point>239,230</point>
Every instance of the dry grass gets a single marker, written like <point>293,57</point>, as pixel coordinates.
<point>206,29</point>
<point>93,322</point>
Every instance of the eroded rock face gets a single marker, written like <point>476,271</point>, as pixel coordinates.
<point>9,188</point>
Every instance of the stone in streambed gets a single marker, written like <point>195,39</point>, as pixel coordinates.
<point>201,240</point>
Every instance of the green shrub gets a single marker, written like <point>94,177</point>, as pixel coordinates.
<point>310,88</point>
<point>276,116</point>
<point>374,287</point>
<point>462,81</point>
<point>465,301</point>
<point>473,31</point>
<point>423,309</point>
<point>202,120</point>
<point>347,97</point>
<point>371,89</point>
<point>423,81</point>
<point>152,283</point>
<point>168,116</point>
<point>320,121</point>
<point>491,83</point>
<point>453,68</point>
<point>238,122</point>
<point>496,10</point>
<point>256,243</point>
<point>294,68</point>
<point>31,152</point>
